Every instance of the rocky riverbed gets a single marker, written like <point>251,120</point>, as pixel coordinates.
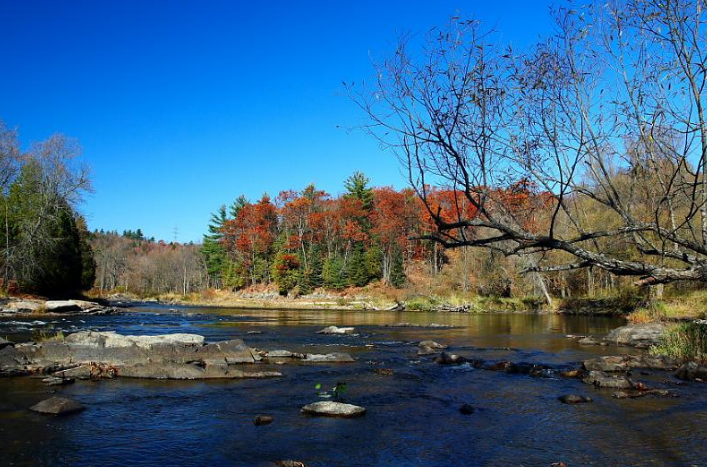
<point>251,388</point>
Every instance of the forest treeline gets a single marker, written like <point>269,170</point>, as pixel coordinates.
<point>308,239</point>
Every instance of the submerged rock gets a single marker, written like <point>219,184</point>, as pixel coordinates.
<point>641,335</point>
<point>261,420</point>
<point>57,381</point>
<point>572,374</point>
<point>57,406</point>
<point>336,330</point>
<point>425,326</point>
<point>333,409</point>
<point>467,409</point>
<point>383,371</point>
<point>691,371</point>
<point>450,359</point>
<point>588,341</point>
<point>631,394</point>
<point>602,380</point>
<point>574,399</point>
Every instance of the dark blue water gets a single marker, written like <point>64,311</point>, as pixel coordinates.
<point>412,419</point>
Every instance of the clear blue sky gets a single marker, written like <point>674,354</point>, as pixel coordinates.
<point>180,106</point>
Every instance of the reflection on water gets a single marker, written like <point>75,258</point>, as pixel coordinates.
<point>412,417</point>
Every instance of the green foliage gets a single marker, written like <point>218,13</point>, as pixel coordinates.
<point>334,274</point>
<point>286,271</point>
<point>374,261</point>
<point>357,187</point>
<point>213,250</point>
<point>311,277</point>
<point>397,270</point>
<point>686,341</point>
<point>357,268</point>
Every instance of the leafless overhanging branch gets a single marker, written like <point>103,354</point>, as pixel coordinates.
<point>602,124</point>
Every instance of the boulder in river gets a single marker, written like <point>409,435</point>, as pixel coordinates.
<point>429,348</point>
<point>641,335</point>
<point>333,409</point>
<point>691,371</point>
<point>336,330</point>
<point>602,380</point>
<point>57,406</point>
<point>589,340</point>
<point>574,399</point>
<point>290,463</point>
<point>5,343</point>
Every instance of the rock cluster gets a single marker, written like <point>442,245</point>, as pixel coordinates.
<point>24,307</point>
<point>91,354</point>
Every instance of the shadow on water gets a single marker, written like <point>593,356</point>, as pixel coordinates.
<point>413,416</point>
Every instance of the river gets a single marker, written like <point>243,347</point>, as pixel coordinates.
<point>412,418</point>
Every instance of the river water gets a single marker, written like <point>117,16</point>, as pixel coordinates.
<point>413,416</point>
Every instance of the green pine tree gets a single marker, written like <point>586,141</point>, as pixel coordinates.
<point>212,249</point>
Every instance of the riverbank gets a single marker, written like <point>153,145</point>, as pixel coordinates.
<point>632,305</point>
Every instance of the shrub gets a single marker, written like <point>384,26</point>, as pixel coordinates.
<point>686,341</point>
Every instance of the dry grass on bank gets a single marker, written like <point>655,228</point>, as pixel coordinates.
<point>674,307</point>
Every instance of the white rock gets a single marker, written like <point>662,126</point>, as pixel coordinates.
<point>61,305</point>
<point>333,409</point>
<point>336,330</point>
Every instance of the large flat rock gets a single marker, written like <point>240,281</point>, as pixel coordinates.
<point>616,363</point>
<point>112,339</point>
<point>189,371</point>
